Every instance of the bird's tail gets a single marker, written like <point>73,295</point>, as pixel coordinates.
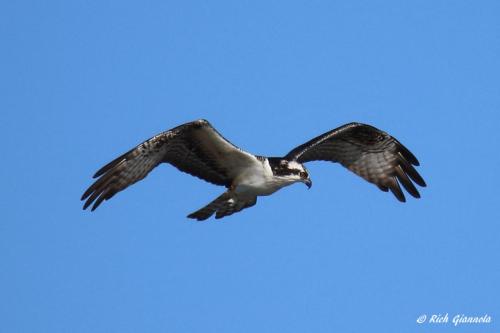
<point>226,204</point>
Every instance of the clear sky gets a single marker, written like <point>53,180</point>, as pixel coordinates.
<point>82,82</point>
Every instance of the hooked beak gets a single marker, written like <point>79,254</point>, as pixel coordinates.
<point>308,182</point>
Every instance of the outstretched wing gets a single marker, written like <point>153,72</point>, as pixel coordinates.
<point>195,147</point>
<point>367,151</point>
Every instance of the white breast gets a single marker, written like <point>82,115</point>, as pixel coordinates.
<point>259,180</point>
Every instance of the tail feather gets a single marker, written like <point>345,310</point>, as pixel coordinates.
<point>211,208</point>
<point>224,205</point>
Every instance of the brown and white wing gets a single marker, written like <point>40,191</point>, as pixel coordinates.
<point>367,151</point>
<point>195,148</point>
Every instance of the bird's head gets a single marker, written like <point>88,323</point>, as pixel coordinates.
<point>291,171</point>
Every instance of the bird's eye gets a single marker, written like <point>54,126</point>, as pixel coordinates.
<point>303,174</point>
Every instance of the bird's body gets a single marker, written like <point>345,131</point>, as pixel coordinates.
<point>260,180</point>
<point>198,149</point>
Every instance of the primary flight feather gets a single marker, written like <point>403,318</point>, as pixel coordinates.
<point>198,149</point>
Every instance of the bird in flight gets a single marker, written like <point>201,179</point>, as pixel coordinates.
<point>198,149</point>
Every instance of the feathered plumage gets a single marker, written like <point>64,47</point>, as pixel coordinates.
<point>198,149</point>
<point>368,152</point>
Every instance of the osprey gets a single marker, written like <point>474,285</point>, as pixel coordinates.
<point>198,149</point>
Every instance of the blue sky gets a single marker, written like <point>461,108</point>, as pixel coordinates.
<point>82,82</point>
